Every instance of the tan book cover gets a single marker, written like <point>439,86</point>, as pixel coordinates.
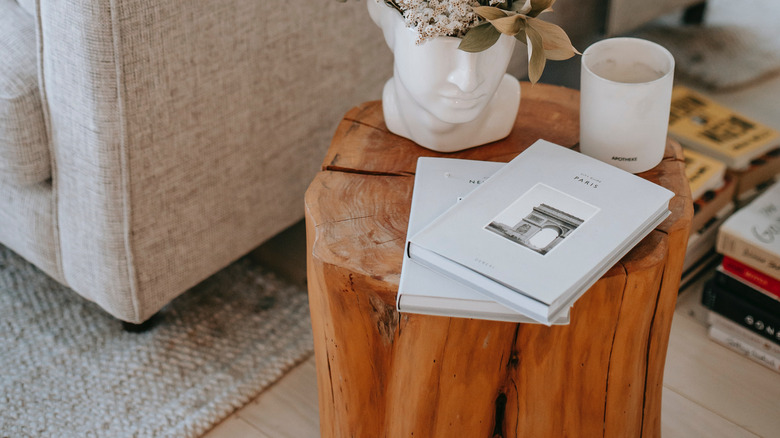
<point>706,207</point>
<point>752,234</point>
<point>703,172</point>
<point>699,123</point>
<point>761,171</point>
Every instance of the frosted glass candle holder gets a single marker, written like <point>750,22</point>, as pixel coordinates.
<point>625,94</point>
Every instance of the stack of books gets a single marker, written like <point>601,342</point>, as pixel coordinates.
<point>520,241</point>
<point>729,158</point>
<point>744,295</point>
<point>712,192</point>
<point>750,150</point>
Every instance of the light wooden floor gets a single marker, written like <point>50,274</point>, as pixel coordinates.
<point>709,391</point>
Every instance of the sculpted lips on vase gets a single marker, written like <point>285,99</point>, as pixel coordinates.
<point>464,101</point>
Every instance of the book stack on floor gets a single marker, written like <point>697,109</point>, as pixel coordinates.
<point>744,294</point>
<point>730,159</point>
<point>520,241</point>
<point>749,149</point>
<point>712,192</point>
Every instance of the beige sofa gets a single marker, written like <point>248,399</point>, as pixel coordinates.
<point>146,144</point>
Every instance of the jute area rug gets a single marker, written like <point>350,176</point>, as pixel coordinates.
<point>69,370</point>
<point>737,46</point>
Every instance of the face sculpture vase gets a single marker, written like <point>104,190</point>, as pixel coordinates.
<point>443,98</point>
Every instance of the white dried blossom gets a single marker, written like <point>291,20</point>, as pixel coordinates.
<point>431,18</point>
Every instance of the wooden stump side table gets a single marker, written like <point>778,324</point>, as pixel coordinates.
<point>385,374</point>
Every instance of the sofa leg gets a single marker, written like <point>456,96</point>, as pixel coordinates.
<point>694,14</point>
<point>142,327</point>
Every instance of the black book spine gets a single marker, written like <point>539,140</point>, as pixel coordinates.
<point>736,308</point>
<point>748,293</point>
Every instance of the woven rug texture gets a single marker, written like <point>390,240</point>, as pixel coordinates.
<point>69,370</point>
<point>737,46</point>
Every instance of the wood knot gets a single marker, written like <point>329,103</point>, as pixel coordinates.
<point>385,318</point>
<point>514,360</point>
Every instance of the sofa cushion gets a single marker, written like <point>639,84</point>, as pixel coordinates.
<point>24,150</point>
<point>27,5</point>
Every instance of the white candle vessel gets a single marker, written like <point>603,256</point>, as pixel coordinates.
<point>625,97</point>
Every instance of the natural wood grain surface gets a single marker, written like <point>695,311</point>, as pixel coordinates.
<point>385,374</point>
<point>363,143</point>
<point>288,409</point>
<point>284,412</point>
<point>684,418</point>
<point>235,427</point>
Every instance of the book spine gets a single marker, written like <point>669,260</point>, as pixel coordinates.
<point>739,345</point>
<point>747,315</point>
<point>747,293</point>
<point>743,251</point>
<point>769,284</point>
<point>731,327</point>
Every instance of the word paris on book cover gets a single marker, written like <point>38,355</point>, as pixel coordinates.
<point>539,232</point>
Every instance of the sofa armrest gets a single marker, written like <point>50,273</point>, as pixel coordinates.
<point>185,134</point>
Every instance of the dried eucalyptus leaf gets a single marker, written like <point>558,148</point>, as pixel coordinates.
<point>558,54</point>
<point>521,7</point>
<point>522,37</point>
<point>489,12</point>
<point>479,38</point>
<point>510,25</point>
<point>536,56</point>
<point>557,45</point>
<point>539,6</point>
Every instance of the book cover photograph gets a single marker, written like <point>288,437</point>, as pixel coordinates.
<point>541,218</point>
<point>540,231</point>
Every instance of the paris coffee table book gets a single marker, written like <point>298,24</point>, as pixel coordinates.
<point>543,229</point>
<point>438,185</point>
<point>699,123</point>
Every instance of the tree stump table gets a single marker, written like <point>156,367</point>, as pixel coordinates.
<point>385,374</point>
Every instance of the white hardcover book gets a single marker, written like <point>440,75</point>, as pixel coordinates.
<point>542,229</point>
<point>438,185</point>
<point>743,333</point>
<point>738,344</point>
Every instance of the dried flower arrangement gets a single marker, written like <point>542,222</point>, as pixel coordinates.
<point>481,22</point>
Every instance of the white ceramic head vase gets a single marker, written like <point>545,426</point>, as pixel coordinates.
<point>443,98</point>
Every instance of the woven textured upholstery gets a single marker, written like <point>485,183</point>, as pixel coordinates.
<point>27,5</point>
<point>182,135</point>
<point>24,151</point>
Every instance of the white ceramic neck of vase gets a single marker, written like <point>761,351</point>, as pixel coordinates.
<point>405,118</point>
